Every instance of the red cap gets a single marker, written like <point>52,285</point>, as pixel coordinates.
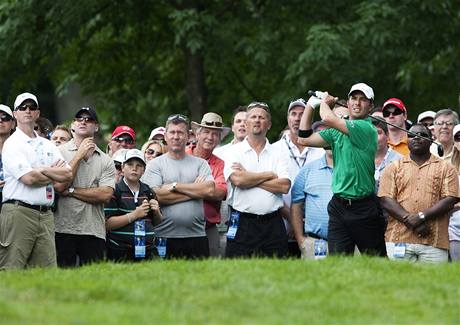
<point>123,129</point>
<point>395,102</point>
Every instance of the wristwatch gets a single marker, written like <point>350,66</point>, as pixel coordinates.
<point>421,215</point>
<point>71,190</point>
<point>174,185</point>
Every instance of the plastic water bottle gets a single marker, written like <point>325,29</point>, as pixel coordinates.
<point>161,246</point>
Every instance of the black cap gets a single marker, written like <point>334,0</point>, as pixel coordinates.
<point>87,110</point>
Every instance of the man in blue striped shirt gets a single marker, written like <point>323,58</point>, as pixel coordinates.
<point>311,194</point>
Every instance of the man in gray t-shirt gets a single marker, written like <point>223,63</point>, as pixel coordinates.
<point>181,182</point>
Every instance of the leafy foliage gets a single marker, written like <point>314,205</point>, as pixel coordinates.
<point>134,56</point>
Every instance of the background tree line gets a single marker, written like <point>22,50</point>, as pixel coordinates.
<point>142,60</point>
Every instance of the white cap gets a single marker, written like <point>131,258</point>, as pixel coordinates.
<point>298,102</point>
<point>426,114</point>
<point>23,97</point>
<point>6,109</point>
<point>119,155</point>
<point>134,153</point>
<point>456,129</point>
<point>157,131</point>
<point>367,91</point>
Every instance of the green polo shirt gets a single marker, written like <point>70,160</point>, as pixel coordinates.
<point>353,156</point>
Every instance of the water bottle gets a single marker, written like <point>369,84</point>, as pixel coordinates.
<point>161,246</point>
<point>320,249</point>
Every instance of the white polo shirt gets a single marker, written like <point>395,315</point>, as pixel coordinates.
<point>256,200</point>
<point>20,155</point>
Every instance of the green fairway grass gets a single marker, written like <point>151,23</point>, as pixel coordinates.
<point>335,290</point>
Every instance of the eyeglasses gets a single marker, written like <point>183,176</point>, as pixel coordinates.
<point>457,138</point>
<point>177,117</point>
<point>127,140</point>
<point>396,112</point>
<point>258,104</point>
<point>418,134</point>
<point>214,123</point>
<point>86,119</point>
<point>444,123</point>
<point>6,118</point>
<point>154,153</point>
<point>22,108</point>
<point>118,165</point>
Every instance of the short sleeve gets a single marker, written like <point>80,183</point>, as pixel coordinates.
<point>297,191</point>
<point>108,174</point>
<point>450,182</point>
<point>387,187</point>
<point>152,175</point>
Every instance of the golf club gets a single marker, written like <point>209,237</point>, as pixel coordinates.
<point>320,94</point>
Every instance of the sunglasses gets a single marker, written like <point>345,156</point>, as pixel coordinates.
<point>396,112</point>
<point>258,104</point>
<point>154,153</point>
<point>85,119</point>
<point>6,118</point>
<point>444,123</point>
<point>457,138</point>
<point>22,108</point>
<point>127,140</point>
<point>118,166</point>
<point>418,134</point>
<point>214,123</point>
<point>177,117</point>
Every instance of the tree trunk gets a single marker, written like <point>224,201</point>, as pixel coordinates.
<point>196,88</point>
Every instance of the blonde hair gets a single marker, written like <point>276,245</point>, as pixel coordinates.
<point>150,142</point>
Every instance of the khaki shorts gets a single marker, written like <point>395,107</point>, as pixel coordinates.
<point>26,238</point>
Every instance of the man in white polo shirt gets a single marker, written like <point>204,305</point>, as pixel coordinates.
<point>31,164</point>
<point>259,176</point>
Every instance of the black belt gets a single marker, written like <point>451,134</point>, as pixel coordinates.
<point>40,208</point>
<point>313,235</point>
<point>259,216</point>
<point>352,201</point>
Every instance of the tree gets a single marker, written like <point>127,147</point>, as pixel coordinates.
<point>142,60</point>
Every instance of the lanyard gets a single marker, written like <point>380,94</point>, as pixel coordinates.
<point>294,156</point>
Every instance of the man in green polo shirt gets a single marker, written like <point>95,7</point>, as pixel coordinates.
<point>355,215</point>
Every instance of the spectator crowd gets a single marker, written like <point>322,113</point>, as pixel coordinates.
<point>362,179</point>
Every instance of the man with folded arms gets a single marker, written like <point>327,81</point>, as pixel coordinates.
<point>31,165</point>
<point>418,192</point>
<point>259,175</point>
<point>181,182</point>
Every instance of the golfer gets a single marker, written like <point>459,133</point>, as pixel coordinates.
<point>355,215</point>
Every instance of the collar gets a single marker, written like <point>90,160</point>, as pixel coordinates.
<point>73,147</point>
<point>247,147</point>
<point>432,160</point>
<point>404,141</point>
<point>24,136</point>
<point>323,162</point>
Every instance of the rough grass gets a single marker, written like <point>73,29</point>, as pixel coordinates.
<point>336,290</point>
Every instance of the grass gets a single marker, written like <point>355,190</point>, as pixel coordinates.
<point>336,290</point>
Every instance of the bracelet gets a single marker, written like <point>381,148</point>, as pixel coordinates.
<point>305,133</point>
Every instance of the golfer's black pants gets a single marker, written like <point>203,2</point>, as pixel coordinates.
<point>356,222</point>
